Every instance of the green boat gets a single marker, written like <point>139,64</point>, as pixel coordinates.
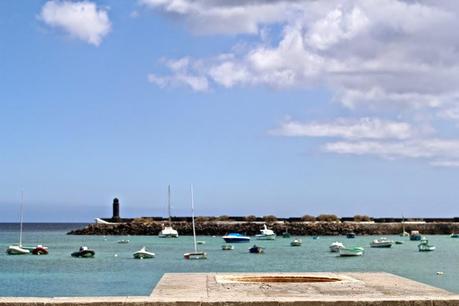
<point>454,235</point>
<point>352,251</point>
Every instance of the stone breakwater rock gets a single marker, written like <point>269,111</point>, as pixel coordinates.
<point>249,228</point>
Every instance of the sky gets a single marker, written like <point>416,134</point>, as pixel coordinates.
<point>267,107</point>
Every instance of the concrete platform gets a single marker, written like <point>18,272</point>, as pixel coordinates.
<point>292,289</point>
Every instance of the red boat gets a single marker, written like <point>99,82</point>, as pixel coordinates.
<point>40,250</point>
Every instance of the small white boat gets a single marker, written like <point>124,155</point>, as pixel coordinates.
<point>336,246</point>
<point>168,231</point>
<point>17,250</point>
<point>296,242</point>
<point>266,234</point>
<point>227,247</point>
<point>415,236</point>
<point>143,254</point>
<point>424,246</point>
<point>381,243</point>
<point>352,251</point>
<point>196,254</point>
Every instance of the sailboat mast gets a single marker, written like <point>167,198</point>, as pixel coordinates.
<point>192,219</point>
<point>169,204</point>
<point>21,218</point>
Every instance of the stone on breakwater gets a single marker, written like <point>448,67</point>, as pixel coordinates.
<point>218,228</point>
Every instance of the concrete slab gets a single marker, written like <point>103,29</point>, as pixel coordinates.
<point>276,289</point>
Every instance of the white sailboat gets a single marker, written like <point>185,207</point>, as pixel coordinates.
<point>196,254</point>
<point>19,249</point>
<point>168,231</point>
<point>266,234</point>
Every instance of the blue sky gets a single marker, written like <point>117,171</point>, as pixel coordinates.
<point>267,107</point>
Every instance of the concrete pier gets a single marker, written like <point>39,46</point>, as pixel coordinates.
<point>292,289</point>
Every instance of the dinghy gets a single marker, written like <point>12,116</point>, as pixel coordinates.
<point>256,249</point>
<point>143,254</point>
<point>296,242</point>
<point>227,247</point>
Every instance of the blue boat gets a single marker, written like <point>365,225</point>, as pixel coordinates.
<point>235,238</point>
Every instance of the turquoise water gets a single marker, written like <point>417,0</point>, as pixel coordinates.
<point>58,274</point>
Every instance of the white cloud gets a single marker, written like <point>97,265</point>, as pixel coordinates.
<point>82,20</point>
<point>181,76</point>
<point>382,53</point>
<point>433,149</point>
<point>364,128</point>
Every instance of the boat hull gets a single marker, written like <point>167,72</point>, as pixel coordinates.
<point>40,251</point>
<point>236,239</point>
<point>17,250</point>
<point>195,255</point>
<point>265,237</point>
<point>84,254</point>
<point>144,255</point>
<point>349,252</point>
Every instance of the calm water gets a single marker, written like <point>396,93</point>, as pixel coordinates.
<point>58,274</point>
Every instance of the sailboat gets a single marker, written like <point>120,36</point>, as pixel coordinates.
<point>19,249</point>
<point>168,231</point>
<point>404,233</point>
<point>196,254</point>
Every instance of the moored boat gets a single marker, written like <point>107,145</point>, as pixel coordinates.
<point>381,243</point>
<point>286,234</point>
<point>256,249</point>
<point>296,242</point>
<point>84,252</point>
<point>196,254</point>
<point>336,246</point>
<point>40,250</point>
<point>236,238</point>
<point>350,235</point>
<point>352,251</point>
<point>398,242</point>
<point>424,246</point>
<point>266,234</point>
<point>17,250</point>
<point>143,254</point>
<point>168,231</point>
<point>415,236</point>
<point>454,235</point>
<point>200,242</point>
<point>227,247</point>
<point>123,241</point>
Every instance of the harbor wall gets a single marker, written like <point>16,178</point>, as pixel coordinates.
<point>218,228</point>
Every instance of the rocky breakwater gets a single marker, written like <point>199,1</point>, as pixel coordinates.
<point>142,227</point>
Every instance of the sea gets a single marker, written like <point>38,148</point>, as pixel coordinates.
<point>114,271</point>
